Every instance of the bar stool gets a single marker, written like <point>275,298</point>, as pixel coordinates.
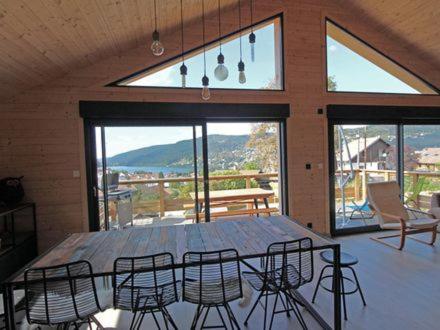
<point>347,260</point>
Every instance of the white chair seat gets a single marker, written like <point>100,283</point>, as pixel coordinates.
<point>422,223</point>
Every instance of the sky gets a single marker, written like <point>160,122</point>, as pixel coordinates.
<point>351,72</point>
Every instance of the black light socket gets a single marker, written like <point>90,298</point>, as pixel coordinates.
<point>220,59</point>
<point>252,38</point>
<point>183,70</point>
<point>240,66</point>
<point>155,35</point>
<point>205,81</point>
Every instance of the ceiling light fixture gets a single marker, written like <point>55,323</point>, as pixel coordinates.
<point>206,94</point>
<point>183,68</point>
<point>221,71</point>
<point>252,37</point>
<point>241,74</point>
<point>156,46</point>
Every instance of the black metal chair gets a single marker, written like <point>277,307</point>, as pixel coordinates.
<point>289,265</point>
<point>146,285</point>
<point>212,280</point>
<point>61,295</point>
<point>347,260</point>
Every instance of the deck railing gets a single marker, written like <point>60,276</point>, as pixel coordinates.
<point>358,188</point>
<point>164,203</point>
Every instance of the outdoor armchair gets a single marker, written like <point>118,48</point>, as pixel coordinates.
<point>385,200</point>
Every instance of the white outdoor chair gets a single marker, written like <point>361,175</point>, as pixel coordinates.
<point>385,200</point>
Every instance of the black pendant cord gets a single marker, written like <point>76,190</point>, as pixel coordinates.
<point>203,30</point>
<point>239,25</point>
<point>219,26</point>
<point>155,16</point>
<point>252,15</point>
<point>181,29</point>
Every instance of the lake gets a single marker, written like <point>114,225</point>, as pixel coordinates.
<point>154,169</point>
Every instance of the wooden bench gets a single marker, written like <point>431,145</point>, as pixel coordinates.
<point>267,211</point>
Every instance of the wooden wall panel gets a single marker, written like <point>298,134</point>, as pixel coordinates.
<point>41,133</point>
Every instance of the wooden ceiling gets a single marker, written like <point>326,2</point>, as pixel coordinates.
<point>45,39</point>
<point>416,23</point>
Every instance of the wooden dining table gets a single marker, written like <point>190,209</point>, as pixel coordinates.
<point>250,236</point>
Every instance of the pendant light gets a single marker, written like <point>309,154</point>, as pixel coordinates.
<point>206,94</point>
<point>183,68</point>
<point>156,47</point>
<point>221,71</point>
<point>252,37</point>
<point>241,75</point>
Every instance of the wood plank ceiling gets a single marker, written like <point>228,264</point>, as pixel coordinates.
<point>415,23</point>
<point>44,39</point>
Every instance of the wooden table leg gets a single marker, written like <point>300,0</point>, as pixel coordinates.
<point>266,203</point>
<point>256,205</point>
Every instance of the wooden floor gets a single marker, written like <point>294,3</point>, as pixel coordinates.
<point>402,289</point>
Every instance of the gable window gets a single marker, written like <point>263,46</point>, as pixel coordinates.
<point>354,66</point>
<point>264,73</point>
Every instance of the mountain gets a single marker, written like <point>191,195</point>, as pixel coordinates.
<point>225,151</point>
<point>416,137</point>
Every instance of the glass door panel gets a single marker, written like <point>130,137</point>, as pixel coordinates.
<point>244,168</point>
<point>362,154</point>
<point>421,164</point>
<point>147,175</point>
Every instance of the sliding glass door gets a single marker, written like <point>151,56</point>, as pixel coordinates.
<point>148,175</point>
<point>362,154</point>
<point>154,175</point>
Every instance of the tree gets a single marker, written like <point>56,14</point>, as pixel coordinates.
<point>264,141</point>
<point>331,84</point>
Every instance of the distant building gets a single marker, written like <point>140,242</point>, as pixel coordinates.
<point>429,159</point>
<point>373,148</point>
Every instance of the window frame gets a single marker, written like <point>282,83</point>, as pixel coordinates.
<point>177,58</point>
<point>374,49</point>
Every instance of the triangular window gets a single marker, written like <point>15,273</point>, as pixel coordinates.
<point>354,66</point>
<point>265,72</point>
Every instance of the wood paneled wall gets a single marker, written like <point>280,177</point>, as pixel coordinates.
<point>41,133</point>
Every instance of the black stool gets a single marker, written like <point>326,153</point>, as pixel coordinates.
<point>347,260</point>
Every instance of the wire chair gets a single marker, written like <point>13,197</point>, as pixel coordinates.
<point>289,265</point>
<point>146,285</point>
<point>212,280</point>
<point>61,295</point>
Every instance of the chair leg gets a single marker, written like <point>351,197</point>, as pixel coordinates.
<point>253,307</point>
<point>204,318</point>
<point>155,320</point>
<point>297,311</point>
<point>286,305</point>
<point>196,317</point>
<point>265,309</point>
<point>168,316</point>
<point>402,238</point>
<point>434,235</point>
<point>343,295</point>
<point>319,282</point>
<point>358,285</point>
<point>232,316</point>
<point>274,310</point>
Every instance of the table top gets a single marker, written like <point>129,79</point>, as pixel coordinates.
<point>234,194</point>
<point>250,236</point>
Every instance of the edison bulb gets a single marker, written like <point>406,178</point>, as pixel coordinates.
<point>221,72</point>
<point>206,94</point>
<point>156,46</point>
<point>241,77</point>
<point>183,80</point>
<point>253,52</point>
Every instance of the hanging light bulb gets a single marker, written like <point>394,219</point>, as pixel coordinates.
<point>241,75</point>
<point>206,94</point>
<point>221,71</point>
<point>252,39</point>
<point>183,73</point>
<point>183,68</point>
<point>156,46</point>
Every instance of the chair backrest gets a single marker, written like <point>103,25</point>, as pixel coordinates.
<point>290,264</point>
<point>152,275</point>
<point>385,197</point>
<point>211,277</point>
<point>112,181</point>
<point>55,294</point>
